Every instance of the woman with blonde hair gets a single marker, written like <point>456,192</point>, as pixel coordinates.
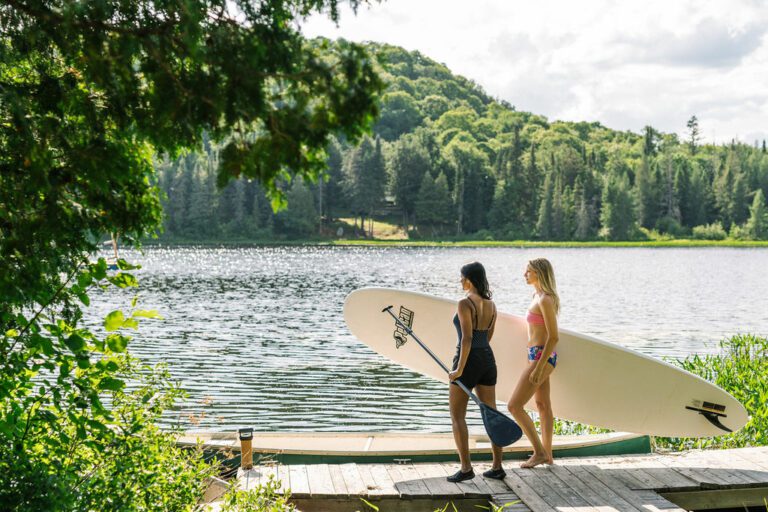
<point>542,360</point>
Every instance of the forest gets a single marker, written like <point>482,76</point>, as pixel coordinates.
<point>446,161</point>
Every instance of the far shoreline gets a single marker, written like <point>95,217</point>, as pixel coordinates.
<point>521,244</point>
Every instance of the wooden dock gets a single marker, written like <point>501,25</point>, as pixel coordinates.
<point>694,480</point>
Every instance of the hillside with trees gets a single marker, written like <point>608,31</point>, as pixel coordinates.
<point>447,161</point>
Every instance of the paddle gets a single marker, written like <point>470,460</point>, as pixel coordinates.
<point>501,429</point>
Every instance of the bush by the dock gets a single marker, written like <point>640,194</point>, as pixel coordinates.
<point>266,497</point>
<point>122,461</point>
<point>740,368</point>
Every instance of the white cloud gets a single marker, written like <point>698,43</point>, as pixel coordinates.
<point>625,64</point>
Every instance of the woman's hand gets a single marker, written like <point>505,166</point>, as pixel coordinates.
<point>455,374</point>
<point>537,375</point>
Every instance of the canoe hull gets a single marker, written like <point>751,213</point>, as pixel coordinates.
<point>370,448</point>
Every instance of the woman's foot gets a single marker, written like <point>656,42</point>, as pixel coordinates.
<point>496,474</point>
<point>460,476</point>
<point>535,460</point>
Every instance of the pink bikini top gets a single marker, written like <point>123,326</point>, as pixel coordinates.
<point>534,318</point>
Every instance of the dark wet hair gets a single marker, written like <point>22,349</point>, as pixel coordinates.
<point>475,272</point>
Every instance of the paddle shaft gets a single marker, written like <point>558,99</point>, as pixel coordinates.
<point>408,330</point>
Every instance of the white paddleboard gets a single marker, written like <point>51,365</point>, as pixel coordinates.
<point>595,382</point>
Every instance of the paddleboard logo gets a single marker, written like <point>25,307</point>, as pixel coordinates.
<point>400,336</point>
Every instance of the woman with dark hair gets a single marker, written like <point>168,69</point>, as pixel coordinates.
<point>473,365</point>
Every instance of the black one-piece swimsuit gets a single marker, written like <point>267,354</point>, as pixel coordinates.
<point>481,365</point>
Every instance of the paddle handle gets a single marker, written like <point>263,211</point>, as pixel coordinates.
<point>408,330</point>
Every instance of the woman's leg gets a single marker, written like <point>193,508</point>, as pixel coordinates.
<point>544,406</point>
<point>457,401</point>
<point>520,396</point>
<point>487,395</point>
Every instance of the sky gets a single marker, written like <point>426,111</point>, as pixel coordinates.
<point>626,64</point>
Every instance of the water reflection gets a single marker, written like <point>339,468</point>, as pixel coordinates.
<point>259,332</point>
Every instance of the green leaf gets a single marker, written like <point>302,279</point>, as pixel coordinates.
<point>75,343</point>
<point>124,265</point>
<point>83,298</point>
<point>99,269</point>
<point>111,384</point>
<point>134,301</point>
<point>123,280</point>
<point>147,313</point>
<point>84,280</point>
<point>114,320</point>
<point>12,333</point>
<point>131,323</point>
<point>117,342</point>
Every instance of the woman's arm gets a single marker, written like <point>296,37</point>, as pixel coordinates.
<point>465,320</point>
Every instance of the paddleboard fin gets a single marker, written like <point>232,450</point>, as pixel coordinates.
<point>400,335</point>
<point>711,412</point>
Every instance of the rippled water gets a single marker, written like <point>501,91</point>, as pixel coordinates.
<point>258,332</point>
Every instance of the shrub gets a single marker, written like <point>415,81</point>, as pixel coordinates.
<point>712,231</point>
<point>740,369</point>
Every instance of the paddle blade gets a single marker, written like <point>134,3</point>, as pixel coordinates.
<point>502,429</point>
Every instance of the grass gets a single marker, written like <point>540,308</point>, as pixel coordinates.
<point>382,230</point>
<point>394,241</point>
<point>538,243</point>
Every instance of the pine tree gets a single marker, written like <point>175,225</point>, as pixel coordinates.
<point>300,218</point>
<point>365,178</point>
<point>697,199</point>
<point>682,186</point>
<point>407,164</point>
<point>582,214</point>
<point>693,134</point>
<point>544,223</point>
<point>646,195</point>
<point>333,187</point>
<point>530,194</point>
<point>617,215</point>
<point>757,225</point>
<point>433,205</point>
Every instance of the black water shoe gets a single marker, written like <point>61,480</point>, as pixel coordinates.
<point>460,476</point>
<point>496,474</point>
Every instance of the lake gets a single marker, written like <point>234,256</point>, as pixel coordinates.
<point>257,337</point>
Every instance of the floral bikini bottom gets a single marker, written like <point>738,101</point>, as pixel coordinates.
<point>534,354</point>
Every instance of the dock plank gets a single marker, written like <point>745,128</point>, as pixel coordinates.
<point>649,472</point>
<point>731,469</point>
<point>353,480</point>
<point>274,471</point>
<point>434,478</point>
<point>377,480</point>
<point>407,482</point>
<point>337,479</point>
<point>298,479</point>
<point>248,479</point>
<point>551,489</point>
<point>526,493</point>
<point>320,482</point>
<point>470,488</point>
<point>653,502</point>
<point>599,497</point>
<point>613,483</point>
<point>509,502</point>
<point>691,470</point>
<point>757,467</point>
<point>573,498</point>
<point>490,485</point>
